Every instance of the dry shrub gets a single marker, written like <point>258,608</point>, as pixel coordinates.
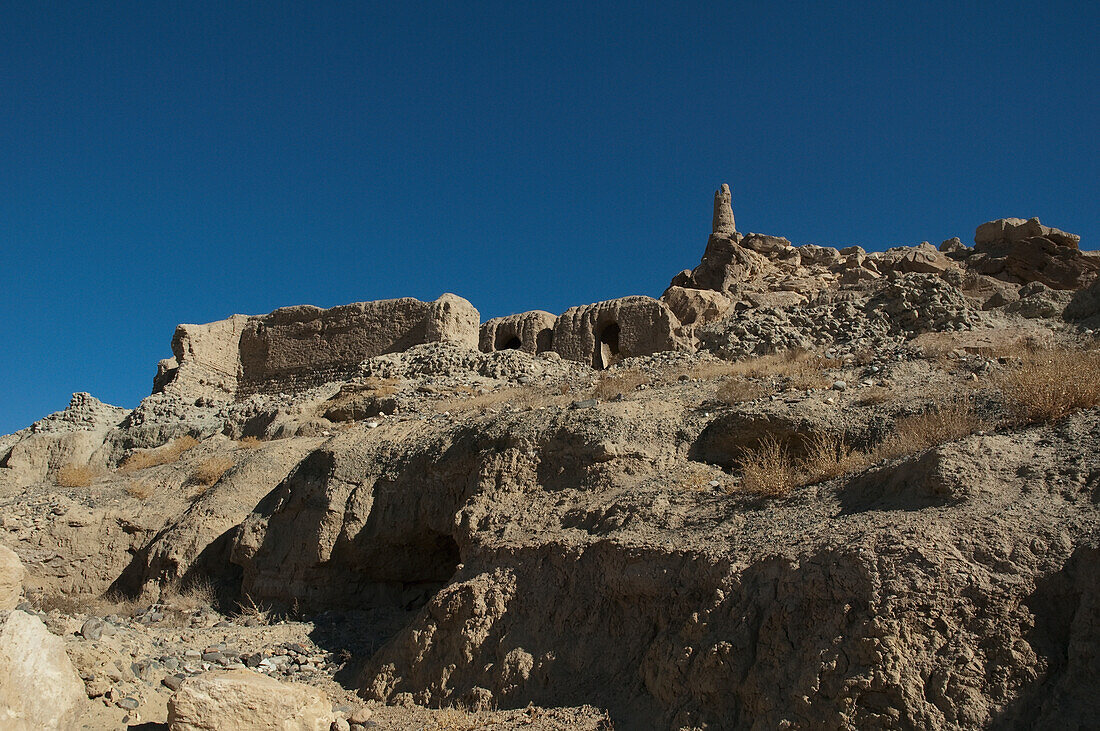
<point>190,597</point>
<point>73,475</point>
<point>736,390</point>
<point>612,384</point>
<point>1046,385</point>
<point>874,396</point>
<point>249,442</point>
<point>519,396</point>
<point>247,609</point>
<point>768,469</point>
<point>827,456</point>
<point>210,470</point>
<point>110,603</point>
<point>171,452</point>
<point>946,421</point>
<point>140,490</point>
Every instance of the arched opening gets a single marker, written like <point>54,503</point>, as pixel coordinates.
<point>508,341</point>
<point>607,351</point>
<point>544,341</point>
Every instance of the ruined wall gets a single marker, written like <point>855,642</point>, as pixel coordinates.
<point>605,332</point>
<point>297,347</point>
<point>204,359</point>
<point>532,332</point>
<point>291,343</point>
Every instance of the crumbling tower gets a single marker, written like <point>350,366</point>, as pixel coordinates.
<point>723,212</point>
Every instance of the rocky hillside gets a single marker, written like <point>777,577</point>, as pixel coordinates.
<point>807,487</point>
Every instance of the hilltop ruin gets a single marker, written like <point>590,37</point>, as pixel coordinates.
<point>295,348</point>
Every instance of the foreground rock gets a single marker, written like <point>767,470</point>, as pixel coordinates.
<point>39,688</point>
<point>11,578</point>
<point>240,700</point>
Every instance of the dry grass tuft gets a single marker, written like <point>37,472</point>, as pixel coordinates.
<point>946,421</point>
<point>735,390</point>
<point>210,470</point>
<point>171,452</point>
<point>768,469</point>
<point>874,396</point>
<point>140,490</point>
<point>612,384</point>
<point>1046,385</point>
<point>802,369</point>
<point>249,442</point>
<point>247,609</point>
<point>71,604</point>
<point>72,475</point>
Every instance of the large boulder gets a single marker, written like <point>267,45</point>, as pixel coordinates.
<point>40,689</point>
<point>242,700</point>
<point>11,578</point>
<point>695,306</point>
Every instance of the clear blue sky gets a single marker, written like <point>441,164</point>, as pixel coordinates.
<point>179,162</point>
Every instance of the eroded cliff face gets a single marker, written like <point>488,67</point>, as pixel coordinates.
<point>915,595</point>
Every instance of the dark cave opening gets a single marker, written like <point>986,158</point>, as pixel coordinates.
<point>607,351</point>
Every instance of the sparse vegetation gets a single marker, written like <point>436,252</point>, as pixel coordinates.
<point>625,381</point>
<point>769,469</point>
<point>167,454</point>
<point>518,396</point>
<point>140,490</point>
<point>249,442</point>
<point>735,390</point>
<point>66,603</point>
<point>209,471</point>
<point>1045,385</point>
<point>73,475</point>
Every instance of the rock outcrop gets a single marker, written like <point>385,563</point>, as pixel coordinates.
<point>240,700</point>
<point>39,688</point>
<point>1024,251</point>
<point>11,578</point>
